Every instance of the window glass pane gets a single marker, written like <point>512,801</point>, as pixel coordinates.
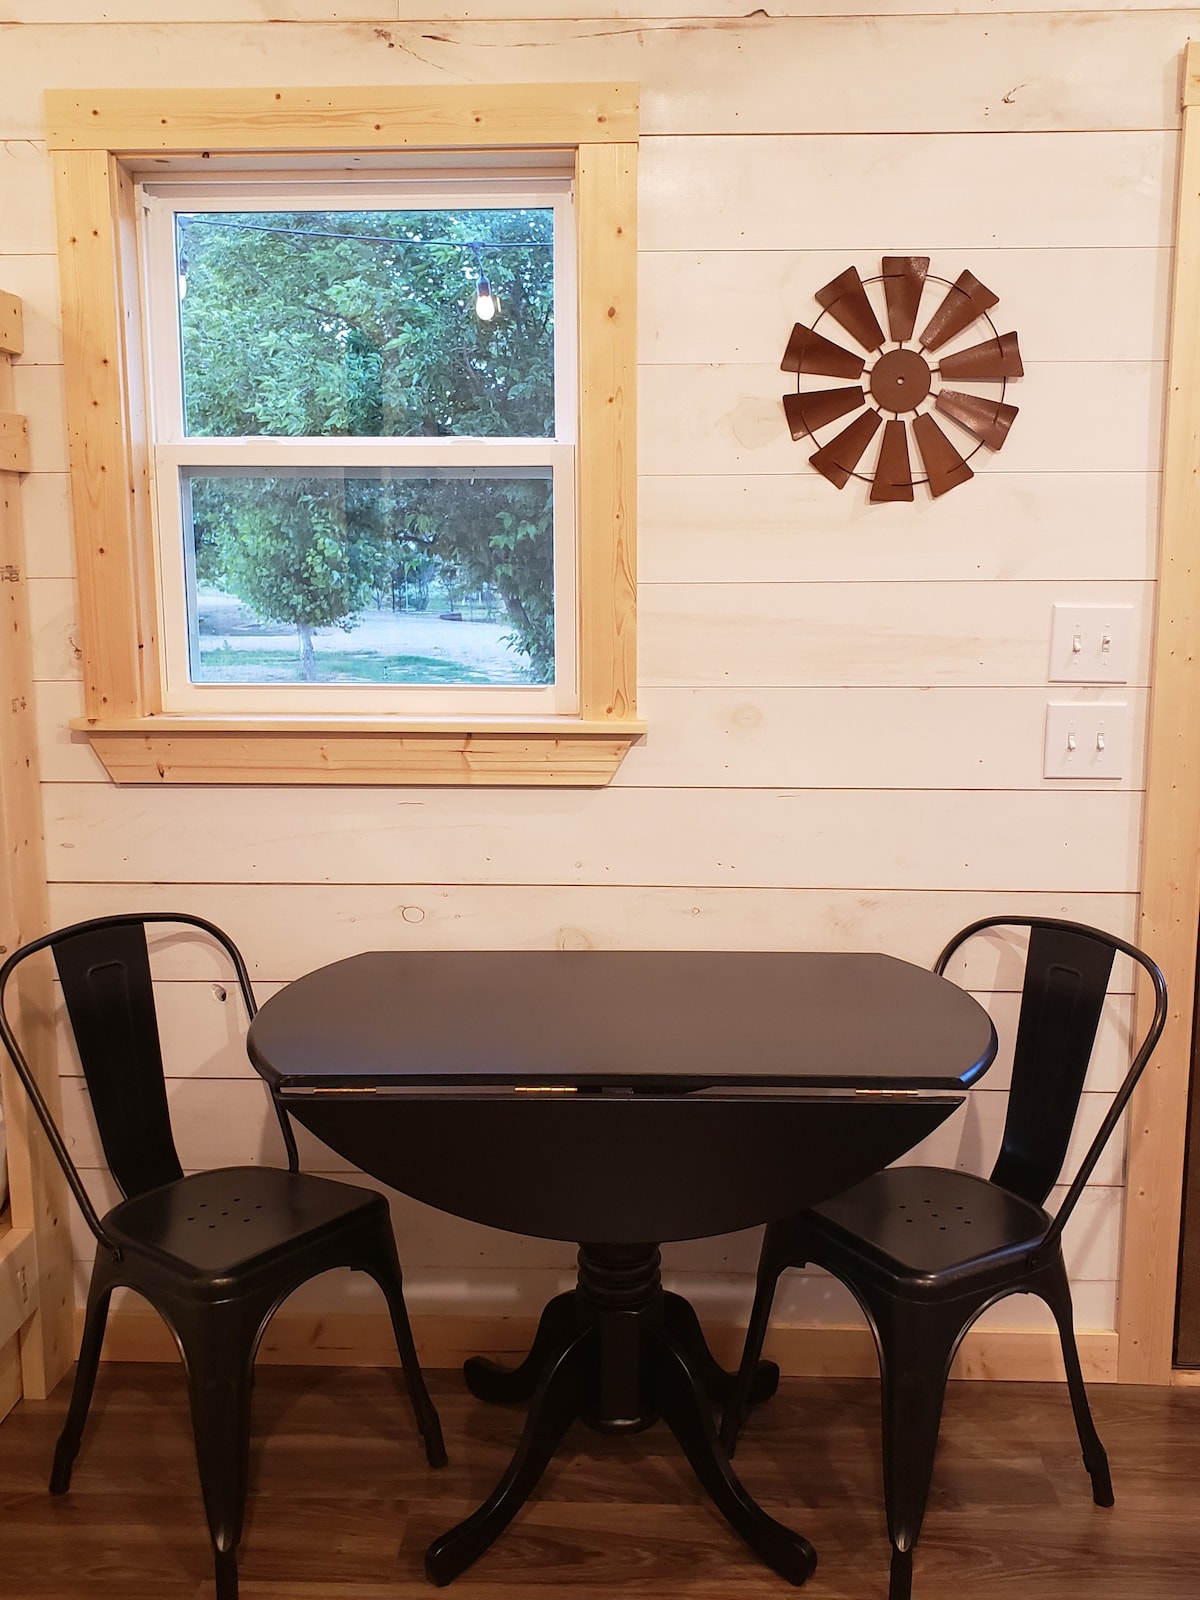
<point>367,323</point>
<point>369,576</point>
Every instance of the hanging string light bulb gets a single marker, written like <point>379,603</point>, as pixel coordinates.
<point>486,304</point>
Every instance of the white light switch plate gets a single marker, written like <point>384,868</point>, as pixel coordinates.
<point>1089,740</point>
<point>1091,644</point>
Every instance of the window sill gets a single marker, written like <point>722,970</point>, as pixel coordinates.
<point>535,751</point>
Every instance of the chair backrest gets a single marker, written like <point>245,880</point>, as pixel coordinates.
<point>104,968</point>
<point>1068,967</point>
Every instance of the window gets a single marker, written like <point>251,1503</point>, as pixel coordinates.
<point>363,424</point>
<point>334,521</point>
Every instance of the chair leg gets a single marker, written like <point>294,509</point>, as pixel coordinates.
<point>218,1351</point>
<point>95,1318</point>
<point>392,1283</point>
<point>916,1345</point>
<point>1056,1291</point>
<point>774,1256</point>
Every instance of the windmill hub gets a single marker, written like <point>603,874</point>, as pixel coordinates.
<point>900,380</point>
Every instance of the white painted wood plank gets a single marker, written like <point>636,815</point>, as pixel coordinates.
<point>297,927</point>
<point>112,12</point>
<point>752,839</point>
<point>941,195</point>
<point>788,72</point>
<point>26,185</point>
<point>46,519</point>
<point>721,305</point>
<point>795,526</point>
<point>40,393</point>
<point>865,633</point>
<point>34,279</point>
<point>349,11</point>
<point>225,1122</point>
<point>835,738</point>
<point>969,1140</point>
<point>54,630</point>
<point>948,738</point>
<point>1114,1041</point>
<point>1100,417</point>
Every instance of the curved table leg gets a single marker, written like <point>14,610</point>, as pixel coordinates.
<point>555,1405</point>
<point>682,1323</point>
<point>684,1408</point>
<point>488,1380</point>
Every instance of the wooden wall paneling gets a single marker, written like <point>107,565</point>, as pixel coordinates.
<point>50,548</point>
<point>862,738</point>
<point>1170,858</point>
<point>938,195</point>
<point>1113,312</point>
<point>871,738</point>
<point>787,72</point>
<point>919,634</point>
<point>750,839</point>
<point>835,635</point>
<point>34,1251</point>
<point>796,527</point>
<point>1102,417</point>
<point>301,926</point>
<point>27,215</point>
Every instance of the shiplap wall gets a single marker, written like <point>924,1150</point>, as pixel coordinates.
<point>845,702</point>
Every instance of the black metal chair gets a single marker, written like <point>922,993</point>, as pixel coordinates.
<point>926,1250</point>
<point>215,1252</point>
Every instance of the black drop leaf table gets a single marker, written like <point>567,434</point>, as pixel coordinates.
<point>620,1100</point>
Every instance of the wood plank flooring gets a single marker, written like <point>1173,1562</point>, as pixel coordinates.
<point>342,1504</point>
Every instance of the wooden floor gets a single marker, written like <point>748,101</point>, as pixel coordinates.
<point>342,1504</point>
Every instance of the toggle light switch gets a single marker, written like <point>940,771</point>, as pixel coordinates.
<point>1090,644</point>
<point>1088,740</point>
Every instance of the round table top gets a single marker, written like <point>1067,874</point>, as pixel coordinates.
<point>671,1020</point>
<point>621,1096</point>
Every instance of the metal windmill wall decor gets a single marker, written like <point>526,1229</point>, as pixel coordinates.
<point>901,382</point>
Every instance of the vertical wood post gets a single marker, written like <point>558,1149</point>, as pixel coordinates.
<point>1170,909</point>
<point>35,1252</point>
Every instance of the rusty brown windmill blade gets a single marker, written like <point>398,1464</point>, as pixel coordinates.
<point>987,419</point>
<point>807,412</point>
<point>840,456</point>
<point>810,351</point>
<point>846,299</point>
<point>893,473</point>
<point>994,358</point>
<point>965,300</point>
<point>944,467</point>
<point>903,285</point>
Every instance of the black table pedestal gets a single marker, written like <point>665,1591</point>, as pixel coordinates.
<point>620,1353</point>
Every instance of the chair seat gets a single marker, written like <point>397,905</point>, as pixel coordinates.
<point>219,1224</point>
<point>931,1226</point>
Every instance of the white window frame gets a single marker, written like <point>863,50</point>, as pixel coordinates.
<point>101,143</point>
<point>172,451</point>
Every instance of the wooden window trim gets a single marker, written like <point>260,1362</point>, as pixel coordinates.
<point>98,140</point>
